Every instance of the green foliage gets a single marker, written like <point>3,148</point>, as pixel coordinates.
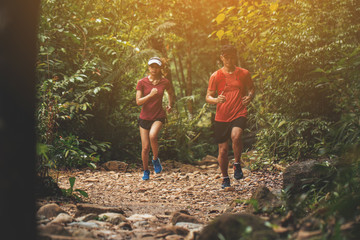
<point>70,151</point>
<point>71,192</point>
<point>90,57</point>
<point>304,58</point>
<point>334,197</point>
<point>289,140</point>
<point>193,134</point>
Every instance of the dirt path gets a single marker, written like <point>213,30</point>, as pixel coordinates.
<point>179,187</point>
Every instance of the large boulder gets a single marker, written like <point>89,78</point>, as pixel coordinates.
<point>299,175</point>
<point>237,226</point>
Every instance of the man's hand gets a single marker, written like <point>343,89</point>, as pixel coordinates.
<point>168,108</point>
<point>246,100</point>
<point>221,98</point>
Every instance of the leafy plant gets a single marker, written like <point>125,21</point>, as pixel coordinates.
<point>283,139</point>
<point>70,151</point>
<point>71,192</point>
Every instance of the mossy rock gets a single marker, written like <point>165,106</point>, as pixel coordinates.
<point>237,226</point>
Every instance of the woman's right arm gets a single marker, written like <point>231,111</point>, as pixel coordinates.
<point>140,100</point>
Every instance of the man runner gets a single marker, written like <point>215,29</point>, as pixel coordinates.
<point>231,89</point>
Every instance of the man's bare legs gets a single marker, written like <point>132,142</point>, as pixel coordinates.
<point>237,144</point>
<point>223,159</point>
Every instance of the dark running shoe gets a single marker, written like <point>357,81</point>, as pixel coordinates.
<point>146,175</point>
<point>157,165</point>
<point>226,182</point>
<point>238,173</point>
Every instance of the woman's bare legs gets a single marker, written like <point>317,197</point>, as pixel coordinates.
<point>149,138</point>
<point>153,136</point>
<point>145,147</point>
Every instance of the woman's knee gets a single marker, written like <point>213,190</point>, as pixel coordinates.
<point>146,149</point>
<point>153,137</point>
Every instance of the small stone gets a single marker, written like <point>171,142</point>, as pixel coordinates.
<point>125,226</point>
<point>62,218</point>
<point>181,217</point>
<point>229,189</point>
<point>141,217</point>
<point>49,211</point>
<point>87,217</point>
<point>113,218</point>
<point>84,224</point>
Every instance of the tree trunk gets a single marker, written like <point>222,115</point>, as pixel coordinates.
<point>181,69</point>
<point>188,90</point>
<point>178,78</point>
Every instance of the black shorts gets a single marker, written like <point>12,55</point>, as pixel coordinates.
<point>146,124</point>
<point>222,130</point>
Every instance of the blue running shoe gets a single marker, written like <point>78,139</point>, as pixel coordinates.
<point>146,175</point>
<point>226,182</point>
<point>157,165</point>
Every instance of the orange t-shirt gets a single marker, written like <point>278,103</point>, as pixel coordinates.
<point>234,87</point>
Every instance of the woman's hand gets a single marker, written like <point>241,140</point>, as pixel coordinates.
<point>168,108</point>
<point>153,92</point>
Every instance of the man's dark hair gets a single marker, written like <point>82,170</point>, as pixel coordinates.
<point>228,49</point>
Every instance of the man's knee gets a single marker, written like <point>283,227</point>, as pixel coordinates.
<point>223,152</point>
<point>236,136</point>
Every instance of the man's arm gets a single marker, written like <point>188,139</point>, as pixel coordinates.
<point>251,93</point>
<point>210,97</point>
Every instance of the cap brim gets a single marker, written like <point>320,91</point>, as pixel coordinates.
<point>154,61</point>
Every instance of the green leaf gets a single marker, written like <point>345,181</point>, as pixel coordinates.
<point>96,90</point>
<point>220,34</point>
<point>92,165</point>
<point>274,6</point>
<point>72,182</point>
<point>82,192</point>
<point>220,18</point>
<point>281,123</point>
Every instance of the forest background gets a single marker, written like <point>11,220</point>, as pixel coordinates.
<point>303,56</point>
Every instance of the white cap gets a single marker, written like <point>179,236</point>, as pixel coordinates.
<point>155,60</point>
